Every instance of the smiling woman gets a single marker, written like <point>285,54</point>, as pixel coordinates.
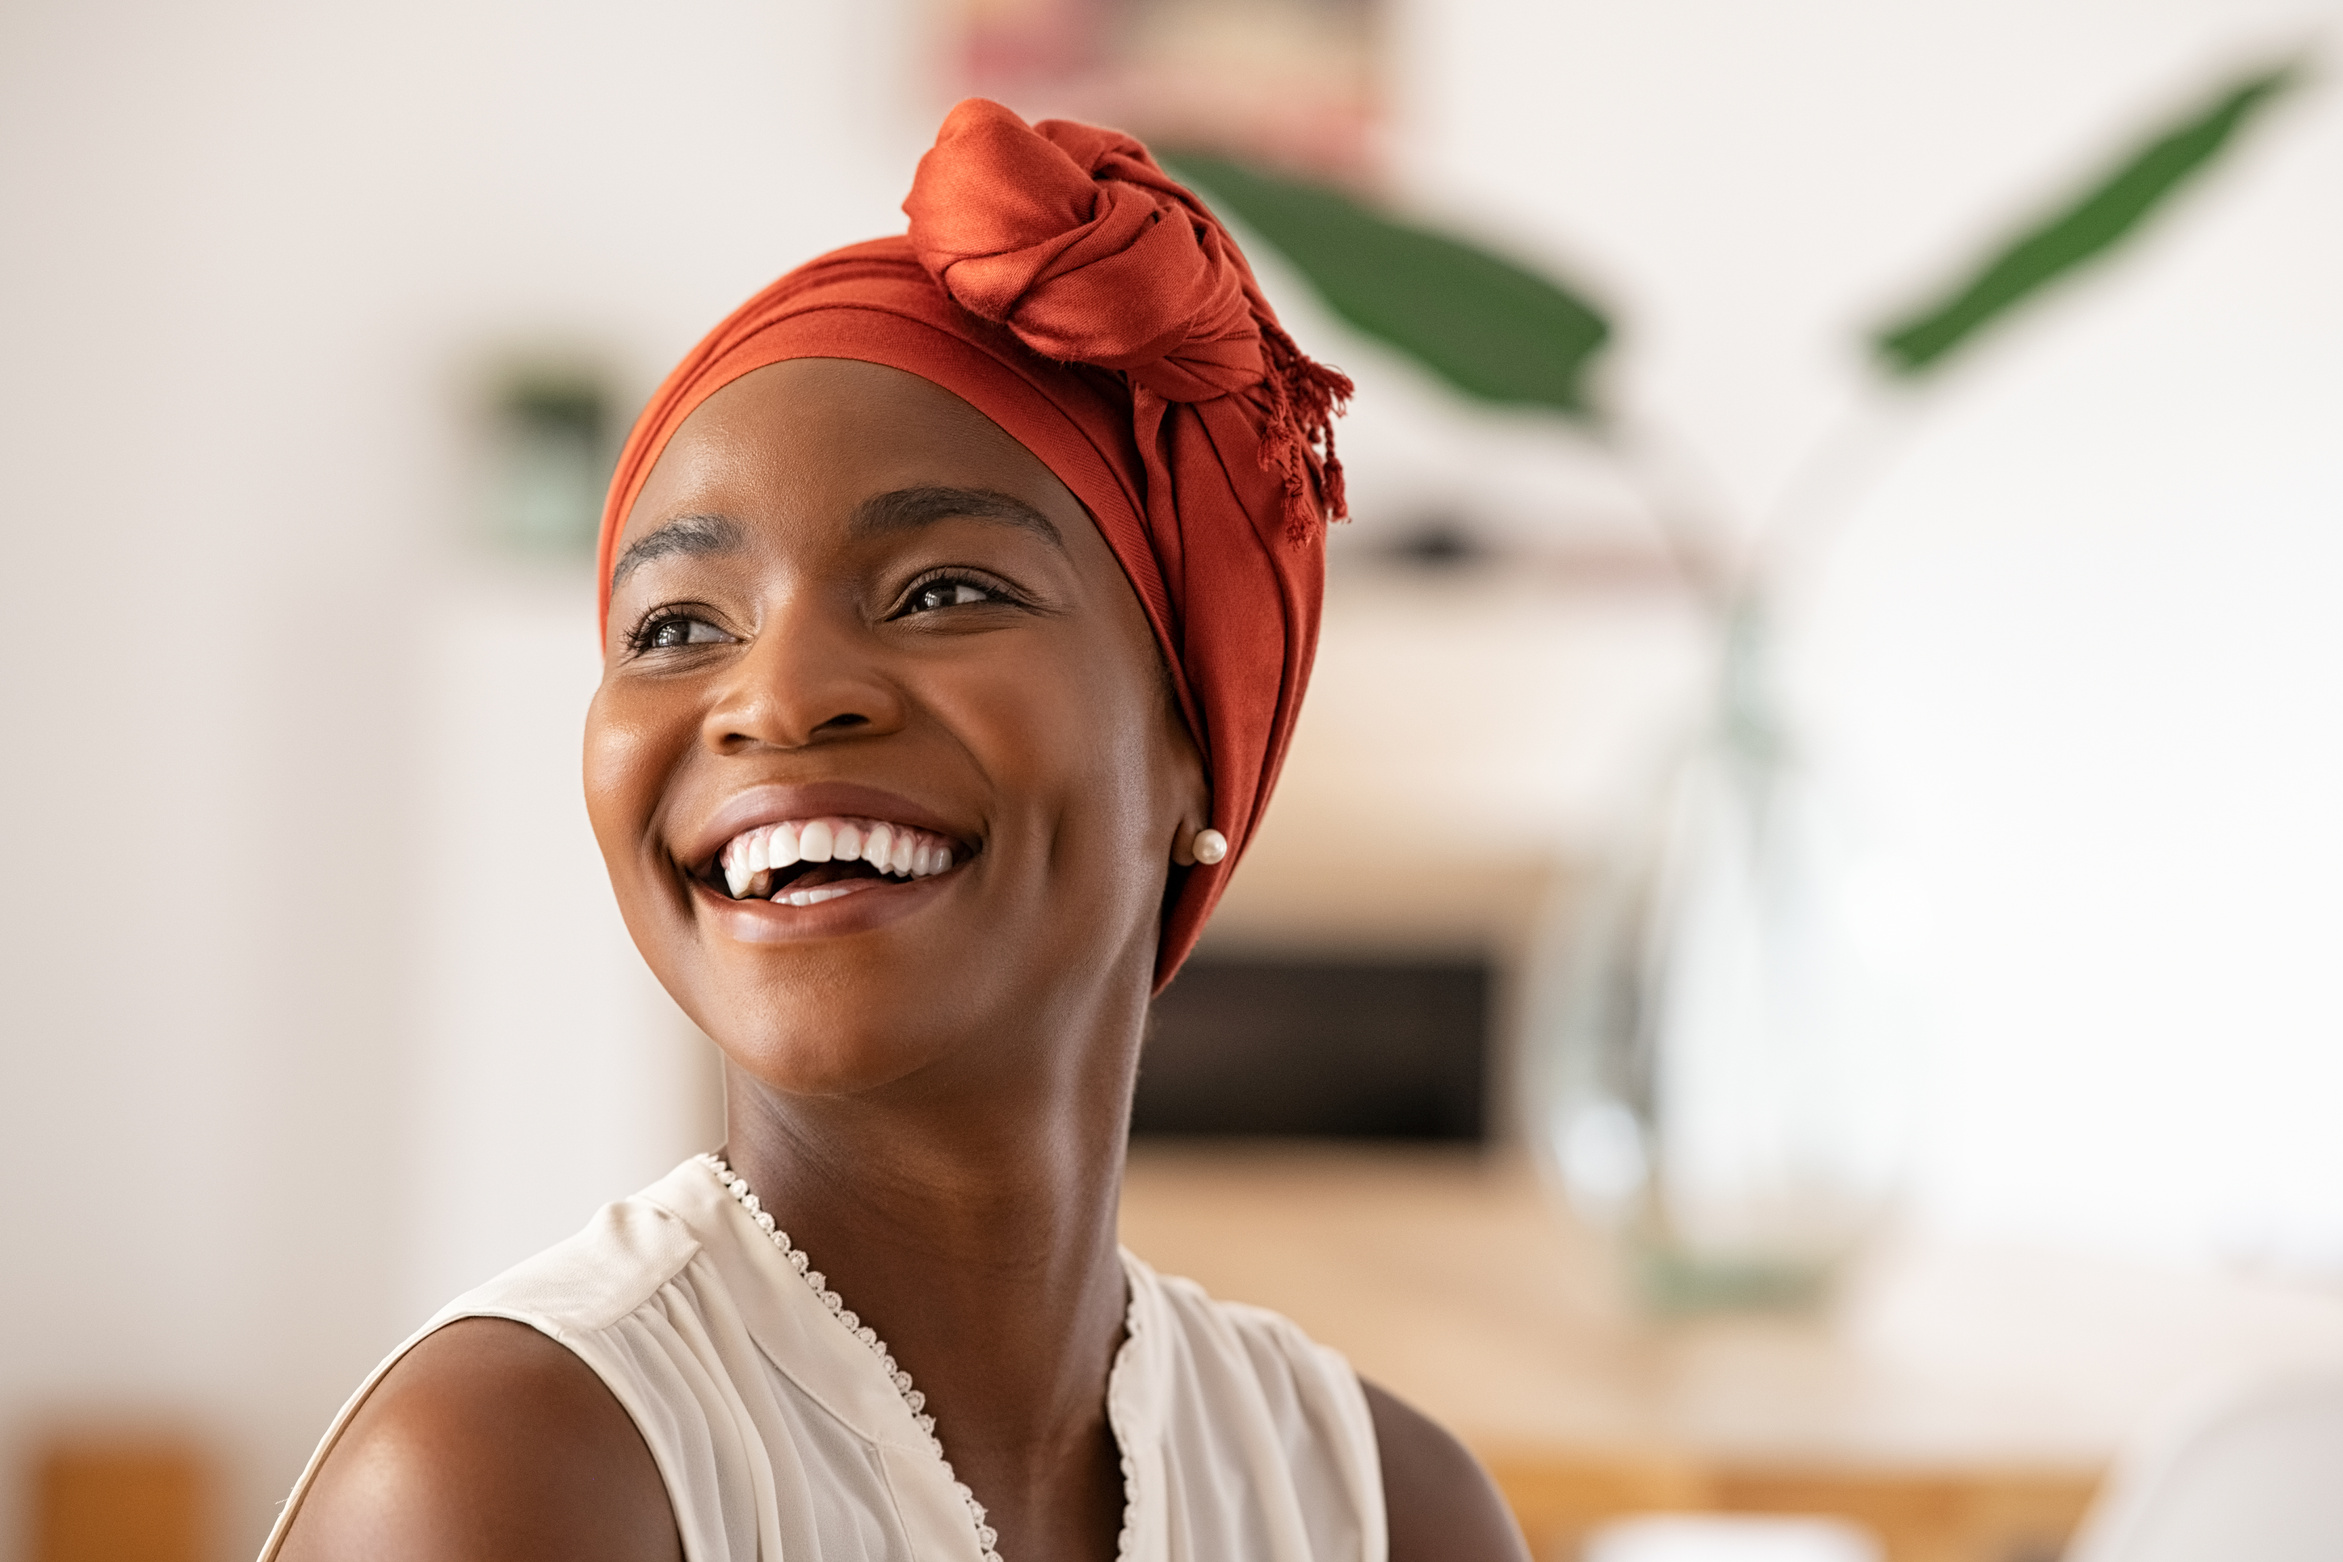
<point>960,594</point>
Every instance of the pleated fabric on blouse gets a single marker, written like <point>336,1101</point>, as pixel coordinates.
<point>782,1430</point>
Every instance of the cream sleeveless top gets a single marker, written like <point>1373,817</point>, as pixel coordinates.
<point>785,1432</point>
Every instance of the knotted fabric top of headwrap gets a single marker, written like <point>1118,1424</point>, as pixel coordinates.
<point>1062,284</point>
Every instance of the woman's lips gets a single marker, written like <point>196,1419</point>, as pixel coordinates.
<point>776,863</point>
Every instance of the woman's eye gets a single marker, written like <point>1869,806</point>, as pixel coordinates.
<point>666,634</point>
<point>947,593</point>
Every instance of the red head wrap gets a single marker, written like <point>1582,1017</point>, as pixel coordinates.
<point>1058,281</point>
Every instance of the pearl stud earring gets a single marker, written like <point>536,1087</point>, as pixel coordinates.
<point>1209,846</point>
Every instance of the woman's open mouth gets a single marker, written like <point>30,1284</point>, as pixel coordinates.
<point>803,862</point>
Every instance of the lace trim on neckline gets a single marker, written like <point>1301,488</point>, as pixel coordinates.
<point>986,1536</point>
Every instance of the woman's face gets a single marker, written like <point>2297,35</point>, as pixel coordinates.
<point>853,620</point>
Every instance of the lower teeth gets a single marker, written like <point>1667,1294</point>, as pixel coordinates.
<point>820,893</point>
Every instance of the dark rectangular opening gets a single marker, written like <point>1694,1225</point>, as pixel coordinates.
<point>1319,1048</point>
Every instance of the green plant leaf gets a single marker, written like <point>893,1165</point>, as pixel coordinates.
<point>1491,328</point>
<point>2090,225</point>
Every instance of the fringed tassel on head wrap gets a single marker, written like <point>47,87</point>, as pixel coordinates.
<point>1305,397</point>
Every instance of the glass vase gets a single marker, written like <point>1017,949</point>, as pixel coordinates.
<point>1719,1061</point>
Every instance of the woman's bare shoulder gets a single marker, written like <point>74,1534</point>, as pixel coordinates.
<point>487,1440</point>
<point>1440,1504</point>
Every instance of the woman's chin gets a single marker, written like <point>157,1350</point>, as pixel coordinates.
<point>807,1053</point>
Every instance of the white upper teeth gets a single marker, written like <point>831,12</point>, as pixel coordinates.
<point>895,849</point>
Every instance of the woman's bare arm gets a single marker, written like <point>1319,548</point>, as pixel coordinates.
<point>488,1441</point>
<point>1439,1502</point>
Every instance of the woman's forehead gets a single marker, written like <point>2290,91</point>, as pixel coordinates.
<point>825,434</point>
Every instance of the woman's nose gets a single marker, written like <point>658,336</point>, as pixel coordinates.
<point>809,674</point>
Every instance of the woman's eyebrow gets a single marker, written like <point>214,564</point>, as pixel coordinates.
<point>908,508</point>
<point>684,534</point>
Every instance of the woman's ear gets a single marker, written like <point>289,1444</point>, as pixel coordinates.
<point>1184,844</point>
<point>1191,794</point>
<point>1194,819</point>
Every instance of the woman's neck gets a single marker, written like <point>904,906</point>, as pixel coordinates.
<point>973,1225</point>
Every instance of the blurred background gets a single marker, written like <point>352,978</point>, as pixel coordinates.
<point>321,325</point>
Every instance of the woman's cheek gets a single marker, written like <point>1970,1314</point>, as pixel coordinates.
<point>627,754</point>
